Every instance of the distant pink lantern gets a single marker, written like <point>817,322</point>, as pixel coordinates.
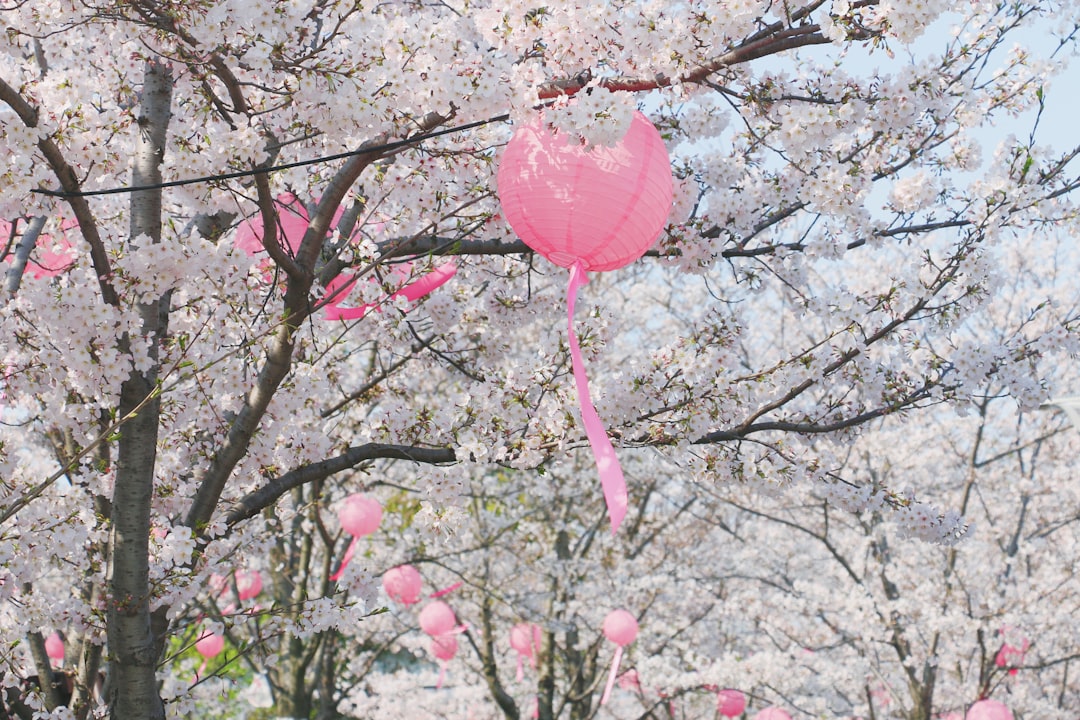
<point>293,221</point>
<point>443,647</point>
<point>730,703</point>
<point>772,713</point>
<point>54,648</point>
<point>437,619</point>
<point>51,256</point>
<point>525,639</point>
<point>210,645</point>
<point>989,710</point>
<point>402,584</point>
<point>359,516</point>
<point>621,628</point>
<point>587,209</point>
<point>248,584</point>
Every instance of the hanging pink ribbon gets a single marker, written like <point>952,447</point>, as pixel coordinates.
<point>445,590</point>
<point>612,674</point>
<point>611,474</point>
<point>345,560</point>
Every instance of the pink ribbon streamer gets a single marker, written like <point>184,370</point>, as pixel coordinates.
<point>611,675</point>
<point>611,474</point>
<point>345,560</point>
<point>446,590</point>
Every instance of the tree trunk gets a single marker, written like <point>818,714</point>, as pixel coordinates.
<point>132,646</point>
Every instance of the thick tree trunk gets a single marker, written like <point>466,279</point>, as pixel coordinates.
<point>132,646</point>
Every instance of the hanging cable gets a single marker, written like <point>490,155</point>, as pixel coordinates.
<point>386,147</point>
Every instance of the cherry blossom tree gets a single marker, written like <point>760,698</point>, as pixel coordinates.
<point>187,179</point>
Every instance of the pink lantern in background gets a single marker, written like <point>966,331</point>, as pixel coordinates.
<point>248,584</point>
<point>525,639</point>
<point>444,648</point>
<point>730,703</point>
<point>621,628</point>
<point>437,619</point>
<point>588,209</point>
<point>772,713</point>
<point>209,646</point>
<point>402,584</point>
<point>293,221</point>
<point>51,256</point>
<point>359,516</point>
<point>989,710</point>
<point>54,648</point>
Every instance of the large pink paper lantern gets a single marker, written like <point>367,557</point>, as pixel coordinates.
<point>54,648</point>
<point>402,584</point>
<point>621,628</point>
<point>587,209</point>
<point>359,516</point>
<point>772,713</point>
<point>989,710</point>
<point>730,703</point>
<point>437,619</point>
<point>209,645</point>
<point>600,208</point>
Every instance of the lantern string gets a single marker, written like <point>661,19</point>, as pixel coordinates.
<point>611,474</point>
<point>446,590</point>
<point>615,661</point>
<point>345,560</point>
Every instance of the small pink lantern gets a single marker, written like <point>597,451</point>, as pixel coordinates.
<point>402,584</point>
<point>989,710</point>
<point>248,584</point>
<point>54,648</point>
<point>772,713</point>
<point>587,209</point>
<point>621,628</point>
<point>293,221</point>
<point>51,256</point>
<point>730,703</point>
<point>209,646</point>
<point>443,647</point>
<point>359,516</point>
<point>525,639</point>
<point>437,619</point>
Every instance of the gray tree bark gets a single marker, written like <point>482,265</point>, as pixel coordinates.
<point>133,651</point>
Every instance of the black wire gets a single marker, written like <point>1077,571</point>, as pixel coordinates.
<point>259,171</point>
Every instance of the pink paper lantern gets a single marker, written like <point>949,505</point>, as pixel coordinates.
<point>601,208</point>
<point>437,619</point>
<point>54,648</point>
<point>525,639</point>
<point>402,584</point>
<point>989,710</point>
<point>772,713</point>
<point>587,209</point>
<point>248,584</point>
<point>730,703</point>
<point>359,516</point>
<point>210,645</point>
<point>444,647</point>
<point>620,627</point>
<point>51,256</point>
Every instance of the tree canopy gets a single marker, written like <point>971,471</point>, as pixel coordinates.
<point>826,369</point>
